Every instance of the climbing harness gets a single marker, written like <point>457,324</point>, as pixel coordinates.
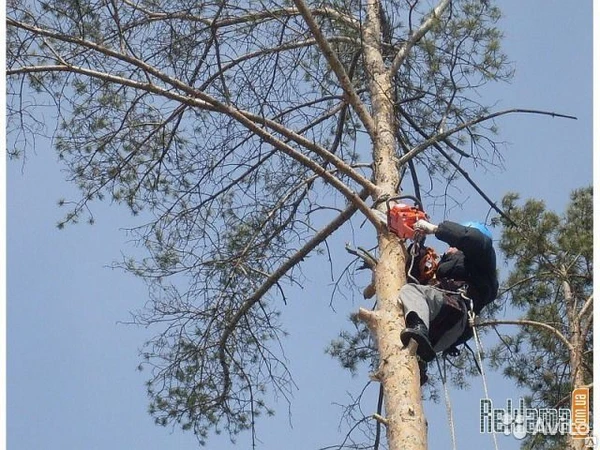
<point>423,261</point>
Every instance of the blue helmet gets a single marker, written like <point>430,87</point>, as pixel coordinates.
<point>480,226</point>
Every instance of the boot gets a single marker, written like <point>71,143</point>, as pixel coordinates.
<point>417,330</point>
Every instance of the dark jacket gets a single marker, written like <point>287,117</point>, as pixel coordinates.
<point>474,263</point>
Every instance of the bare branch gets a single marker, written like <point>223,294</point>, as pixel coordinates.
<point>368,317</point>
<point>441,136</point>
<point>273,278</point>
<point>382,420</point>
<point>586,306</point>
<point>463,172</point>
<point>273,14</point>
<point>369,260</point>
<point>525,322</point>
<point>418,35</point>
<point>267,51</point>
<point>195,98</point>
<point>338,68</point>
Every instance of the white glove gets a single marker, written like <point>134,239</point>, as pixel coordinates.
<point>425,227</point>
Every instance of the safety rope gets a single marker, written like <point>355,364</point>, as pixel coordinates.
<point>478,353</point>
<point>414,251</point>
<point>447,400</point>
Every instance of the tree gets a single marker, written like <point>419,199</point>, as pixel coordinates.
<point>551,282</point>
<point>236,130</point>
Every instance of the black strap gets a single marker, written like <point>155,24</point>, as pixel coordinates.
<point>474,358</point>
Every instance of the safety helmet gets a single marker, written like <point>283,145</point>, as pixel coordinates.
<point>480,226</point>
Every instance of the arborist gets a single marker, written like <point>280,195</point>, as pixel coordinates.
<point>436,313</point>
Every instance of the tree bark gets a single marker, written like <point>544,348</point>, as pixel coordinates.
<point>576,351</point>
<point>398,369</point>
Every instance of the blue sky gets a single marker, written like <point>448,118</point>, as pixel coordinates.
<point>72,381</point>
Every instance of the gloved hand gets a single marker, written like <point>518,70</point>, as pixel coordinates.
<point>425,227</point>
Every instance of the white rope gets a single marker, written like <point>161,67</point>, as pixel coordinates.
<point>480,362</point>
<point>413,254</point>
<point>448,404</point>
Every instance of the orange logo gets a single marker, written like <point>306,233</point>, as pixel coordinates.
<point>580,413</point>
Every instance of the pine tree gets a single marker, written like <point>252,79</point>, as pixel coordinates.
<point>551,283</point>
<point>235,129</point>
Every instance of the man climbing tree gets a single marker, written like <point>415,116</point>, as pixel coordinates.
<point>247,133</point>
<point>465,279</point>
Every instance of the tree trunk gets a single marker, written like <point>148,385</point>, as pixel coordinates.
<point>398,369</point>
<point>577,376</point>
<point>575,353</point>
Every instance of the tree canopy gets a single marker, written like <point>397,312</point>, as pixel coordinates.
<point>551,282</point>
<point>245,134</point>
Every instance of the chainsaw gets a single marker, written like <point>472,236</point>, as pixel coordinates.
<point>401,217</point>
<point>400,220</point>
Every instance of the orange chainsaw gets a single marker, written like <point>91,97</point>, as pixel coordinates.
<point>401,218</point>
